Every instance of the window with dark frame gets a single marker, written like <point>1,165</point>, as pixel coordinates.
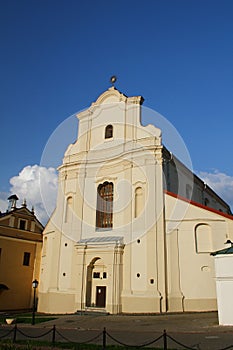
<point>104,211</point>
<point>22,224</point>
<point>108,131</point>
<point>96,274</point>
<point>26,259</point>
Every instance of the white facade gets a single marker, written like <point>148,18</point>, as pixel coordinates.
<point>117,241</point>
<point>224,285</point>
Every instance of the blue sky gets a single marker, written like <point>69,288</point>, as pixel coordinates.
<point>58,56</point>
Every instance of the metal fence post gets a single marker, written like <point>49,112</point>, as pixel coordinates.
<point>164,339</point>
<point>104,338</point>
<point>14,334</point>
<point>53,334</point>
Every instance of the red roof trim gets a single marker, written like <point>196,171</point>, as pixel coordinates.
<point>199,205</point>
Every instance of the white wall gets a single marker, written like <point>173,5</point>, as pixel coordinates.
<point>224,286</point>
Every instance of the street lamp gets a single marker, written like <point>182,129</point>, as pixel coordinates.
<point>34,286</point>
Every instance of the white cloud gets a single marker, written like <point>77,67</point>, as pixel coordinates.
<point>38,185</point>
<point>3,201</point>
<point>221,183</point>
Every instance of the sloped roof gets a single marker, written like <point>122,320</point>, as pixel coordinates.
<point>23,210</point>
<point>228,216</point>
<point>224,251</point>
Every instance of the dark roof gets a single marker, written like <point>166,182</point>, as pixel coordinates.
<point>3,214</point>
<point>168,155</point>
<point>224,251</point>
<point>13,196</point>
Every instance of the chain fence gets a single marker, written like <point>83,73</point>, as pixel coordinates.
<point>162,340</point>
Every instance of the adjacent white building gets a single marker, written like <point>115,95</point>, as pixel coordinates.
<point>133,228</point>
<point>224,284</point>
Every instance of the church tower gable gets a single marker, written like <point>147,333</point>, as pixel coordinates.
<point>111,121</point>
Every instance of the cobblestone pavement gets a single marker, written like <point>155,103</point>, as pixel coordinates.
<point>185,322</point>
<point>194,330</point>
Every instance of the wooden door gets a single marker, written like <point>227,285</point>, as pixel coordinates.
<point>100,296</point>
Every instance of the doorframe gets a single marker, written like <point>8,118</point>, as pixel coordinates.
<point>104,289</point>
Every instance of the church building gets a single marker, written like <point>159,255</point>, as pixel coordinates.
<point>133,227</point>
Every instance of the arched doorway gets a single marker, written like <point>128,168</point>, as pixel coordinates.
<point>96,289</point>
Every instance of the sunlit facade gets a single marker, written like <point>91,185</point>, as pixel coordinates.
<point>20,255</point>
<point>133,228</point>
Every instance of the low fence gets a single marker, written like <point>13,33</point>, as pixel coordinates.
<point>101,338</point>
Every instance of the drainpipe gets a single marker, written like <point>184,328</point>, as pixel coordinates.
<point>83,275</point>
<point>165,242</point>
<point>183,297</point>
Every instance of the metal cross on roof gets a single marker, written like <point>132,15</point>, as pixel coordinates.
<point>113,80</point>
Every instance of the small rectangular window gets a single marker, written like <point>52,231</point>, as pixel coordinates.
<point>96,275</point>
<point>26,259</point>
<point>22,224</point>
<point>104,274</point>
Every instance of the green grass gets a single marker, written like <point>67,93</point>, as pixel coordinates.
<point>39,345</point>
<point>27,318</point>
<point>38,319</point>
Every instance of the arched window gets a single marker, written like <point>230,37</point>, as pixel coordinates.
<point>104,211</point>
<point>203,238</point>
<point>138,206</point>
<point>68,213</point>
<point>108,131</point>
